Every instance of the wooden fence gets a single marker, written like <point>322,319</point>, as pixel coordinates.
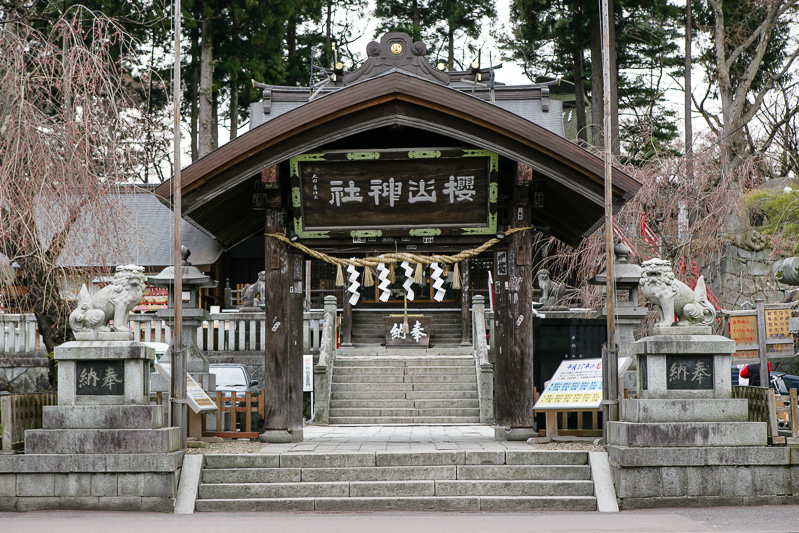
<point>233,404</point>
<point>19,412</point>
<point>765,405</point>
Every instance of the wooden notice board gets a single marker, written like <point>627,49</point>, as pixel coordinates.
<point>742,328</point>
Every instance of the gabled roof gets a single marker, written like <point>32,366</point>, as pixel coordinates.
<point>217,188</point>
<point>144,238</point>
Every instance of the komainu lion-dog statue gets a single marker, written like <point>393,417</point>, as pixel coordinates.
<point>674,297</point>
<point>113,302</point>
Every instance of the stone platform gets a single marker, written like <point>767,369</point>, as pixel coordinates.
<point>103,447</point>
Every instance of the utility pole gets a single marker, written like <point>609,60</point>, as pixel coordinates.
<point>177,391</point>
<point>610,365</point>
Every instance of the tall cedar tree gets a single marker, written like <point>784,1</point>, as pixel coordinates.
<point>561,38</point>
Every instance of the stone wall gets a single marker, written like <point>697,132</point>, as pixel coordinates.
<point>743,276</point>
<point>23,374</point>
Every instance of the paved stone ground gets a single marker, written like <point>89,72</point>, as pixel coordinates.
<point>334,439</point>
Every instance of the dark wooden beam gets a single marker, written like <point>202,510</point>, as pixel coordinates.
<point>513,367</point>
<point>283,339</point>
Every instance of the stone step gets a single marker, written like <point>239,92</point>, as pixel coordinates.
<point>402,412</point>
<point>215,491</point>
<point>396,473</point>
<point>403,395</point>
<point>405,361</point>
<point>403,370</point>
<point>381,420</point>
<point>409,352</point>
<point>388,378</point>
<point>417,387</point>
<point>436,504</point>
<point>373,403</point>
<point>477,458</point>
<point>405,488</point>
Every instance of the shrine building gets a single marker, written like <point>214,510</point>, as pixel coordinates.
<point>400,189</point>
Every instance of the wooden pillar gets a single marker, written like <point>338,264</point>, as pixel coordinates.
<point>466,317</point>
<point>283,339</point>
<point>346,320</point>
<point>513,286</point>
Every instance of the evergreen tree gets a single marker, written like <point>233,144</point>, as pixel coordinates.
<point>562,38</point>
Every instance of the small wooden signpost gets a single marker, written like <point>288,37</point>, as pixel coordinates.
<point>417,334</point>
<point>743,328</point>
<point>576,386</point>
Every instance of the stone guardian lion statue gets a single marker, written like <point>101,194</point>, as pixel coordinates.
<point>113,302</point>
<point>551,290</point>
<point>253,295</point>
<point>674,297</point>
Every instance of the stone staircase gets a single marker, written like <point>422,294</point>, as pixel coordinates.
<point>462,480</point>
<point>417,388</point>
<point>368,328</point>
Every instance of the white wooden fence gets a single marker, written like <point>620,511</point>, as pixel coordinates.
<point>223,332</point>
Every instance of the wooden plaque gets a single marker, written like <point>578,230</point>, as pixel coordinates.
<point>418,335</point>
<point>400,192</point>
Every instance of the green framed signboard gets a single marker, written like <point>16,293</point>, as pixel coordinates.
<point>398,192</point>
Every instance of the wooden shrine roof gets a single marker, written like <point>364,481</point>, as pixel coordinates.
<point>217,189</point>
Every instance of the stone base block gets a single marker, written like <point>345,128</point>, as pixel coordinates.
<point>687,434</point>
<point>92,441</point>
<point>279,436</point>
<point>103,417</point>
<point>692,477</point>
<point>685,410</point>
<point>503,433</point>
<point>118,482</point>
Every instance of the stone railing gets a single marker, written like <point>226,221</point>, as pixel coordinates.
<point>324,366</point>
<point>19,334</point>
<point>485,370</point>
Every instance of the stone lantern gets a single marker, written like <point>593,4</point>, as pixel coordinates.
<point>193,315</point>
<point>629,312</point>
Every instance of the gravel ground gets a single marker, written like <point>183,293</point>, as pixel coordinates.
<point>231,447</point>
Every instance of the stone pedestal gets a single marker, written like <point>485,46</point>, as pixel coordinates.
<point>684,440</point>
<point>103,446</point>
<point>684,366</point>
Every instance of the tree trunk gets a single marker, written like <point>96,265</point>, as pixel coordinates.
<point>51,312</point>
<point>615,141</point>
<point>451,46</point>
<point>234,107</point>
<point>597,93</point>
<point>194,93</point>
<point>597,85</point>
<point>214,120</point>
<point>206,119</point>
<point>291,47</point>
<point>328,58</point>
<point>689,134</point>
<point>579,83</point>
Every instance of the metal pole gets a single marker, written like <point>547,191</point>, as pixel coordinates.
<point>609,355</point>
<point>178,386</point>
<point>765,376</point>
